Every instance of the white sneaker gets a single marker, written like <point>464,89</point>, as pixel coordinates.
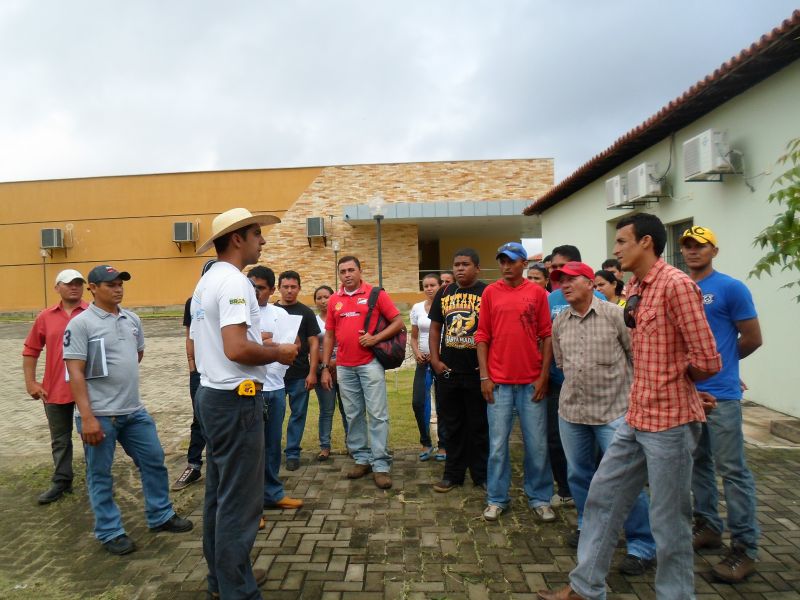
<point>493,511</point>
<point>557,500</point>
<point>545,513</point>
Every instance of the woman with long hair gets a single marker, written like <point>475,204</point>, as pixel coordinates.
<point>607,284</point>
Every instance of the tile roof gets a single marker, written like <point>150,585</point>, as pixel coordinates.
<point>775,50</point>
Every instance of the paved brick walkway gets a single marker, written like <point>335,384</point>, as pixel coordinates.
<point>351,541</point>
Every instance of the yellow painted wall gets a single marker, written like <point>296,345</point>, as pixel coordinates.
<point>127,222</point>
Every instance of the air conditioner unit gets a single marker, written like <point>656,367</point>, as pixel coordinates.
<point>183,232</point>
<point>643,183</point>
<point>706,155</point>
<point>52,238</point>
<point>615,191</point>
<point>315,227</point>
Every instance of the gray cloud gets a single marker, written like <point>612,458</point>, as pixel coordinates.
<point>94,88</point>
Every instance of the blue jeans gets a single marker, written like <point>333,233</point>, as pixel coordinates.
<point>421,402</point>
<point>633,458</point>
<point>274,411</point>
<point>364,396</point>
<point>298,406</point>
<point>508,400</point>
<point>327,406</point>
<point>579,443</point>
<point>233,427</point>
<point>722,444</point>
<point>137,435</point>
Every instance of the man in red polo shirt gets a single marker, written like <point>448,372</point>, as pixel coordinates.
<point>53,391</point>
<point>360,375</point>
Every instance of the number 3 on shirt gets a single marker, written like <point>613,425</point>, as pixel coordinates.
<point>67,336</point>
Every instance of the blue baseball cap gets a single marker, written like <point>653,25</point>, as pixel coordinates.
<point>513,250</point>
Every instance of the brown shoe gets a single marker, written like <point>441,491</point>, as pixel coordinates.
<point>565,593</point>
<point>287,503</point>
<point>705,537</point>
<point>262,523</point>
<point>736,566</point>
<point>261,576</point>
<point>358,471</point>
<point>382,480</point>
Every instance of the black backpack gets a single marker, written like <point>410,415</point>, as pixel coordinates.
<point>392,352</point>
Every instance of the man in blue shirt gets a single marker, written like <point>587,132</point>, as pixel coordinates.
<point>734,322</point>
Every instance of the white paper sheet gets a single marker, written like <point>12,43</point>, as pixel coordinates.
<point>287,329</point>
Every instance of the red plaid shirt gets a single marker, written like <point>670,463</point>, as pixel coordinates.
<point>671,333</point>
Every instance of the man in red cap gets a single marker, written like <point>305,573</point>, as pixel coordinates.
<point>593,348</point>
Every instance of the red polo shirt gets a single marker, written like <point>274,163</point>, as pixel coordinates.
<point>48,330</point>
<point>346,314</point>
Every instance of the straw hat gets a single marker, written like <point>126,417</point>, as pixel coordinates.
<point>231,220</point>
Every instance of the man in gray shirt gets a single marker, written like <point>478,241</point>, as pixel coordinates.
<point>102,349</point>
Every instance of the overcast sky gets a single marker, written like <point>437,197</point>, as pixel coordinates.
<point>112,87</point>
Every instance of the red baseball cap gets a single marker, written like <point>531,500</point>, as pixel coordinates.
<point>573,269</point>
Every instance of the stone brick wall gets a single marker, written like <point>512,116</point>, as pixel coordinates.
<point>287,246</point>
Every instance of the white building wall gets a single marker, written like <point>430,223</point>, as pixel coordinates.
<point>759,123</point>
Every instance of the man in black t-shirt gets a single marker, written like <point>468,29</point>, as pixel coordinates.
<point>194,456</point>
<point>454,321</point>
<point>301,377</point>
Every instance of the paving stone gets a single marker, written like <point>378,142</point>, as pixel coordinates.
<point>351,541</point>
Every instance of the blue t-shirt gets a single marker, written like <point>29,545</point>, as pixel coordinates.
<point>558,303</point>
<point>726,300</point>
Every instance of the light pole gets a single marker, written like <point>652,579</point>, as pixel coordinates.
<point>336,249</point>
<point>376,206</point>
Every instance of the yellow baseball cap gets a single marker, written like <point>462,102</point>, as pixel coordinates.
<point>699,234</point>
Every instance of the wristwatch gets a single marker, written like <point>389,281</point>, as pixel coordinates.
<point>323,365</point>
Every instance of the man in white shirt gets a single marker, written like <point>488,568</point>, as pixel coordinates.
<point>231,359</point>
<point>272,318</point>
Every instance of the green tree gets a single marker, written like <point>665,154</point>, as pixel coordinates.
<point>782,238</point>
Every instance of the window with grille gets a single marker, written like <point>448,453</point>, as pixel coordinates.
<point>673,250</point>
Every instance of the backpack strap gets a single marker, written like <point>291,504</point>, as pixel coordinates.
<point>371,302</point>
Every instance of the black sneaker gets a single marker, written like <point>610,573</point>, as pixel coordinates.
<point>188,477</point>
<point>174,524</point>
<point>120,545</point>
<point>292,464</point>
<point>56,492</point>
<point>574,538</point>
<point>633,565</point>
<point>444,486</point>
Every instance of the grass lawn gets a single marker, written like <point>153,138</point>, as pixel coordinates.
<point>403,432</point>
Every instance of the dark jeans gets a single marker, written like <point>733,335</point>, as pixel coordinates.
<point>420,400</point>
<point>196,442</point>
<point>233,427</point>
<point>462,408</point>
<point>558,461</point>
<point>59,419</point>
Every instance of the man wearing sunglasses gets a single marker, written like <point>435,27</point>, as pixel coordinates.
<point>734,322</point>
<point>673,347</point>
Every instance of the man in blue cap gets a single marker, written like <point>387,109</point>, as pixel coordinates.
<point>515,319</point>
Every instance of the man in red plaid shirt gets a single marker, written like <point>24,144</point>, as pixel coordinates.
<point>673,347</point>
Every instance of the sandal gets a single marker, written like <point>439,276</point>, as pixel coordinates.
<point>441,456</point>
<point>323,455</point>
<point>426,454</point>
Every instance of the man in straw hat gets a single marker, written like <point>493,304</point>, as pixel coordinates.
<point>231,359</point>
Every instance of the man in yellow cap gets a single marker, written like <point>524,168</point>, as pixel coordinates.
<point>732,316</point>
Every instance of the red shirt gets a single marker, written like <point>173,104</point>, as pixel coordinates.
<point>671,333</point>
<point>513,320</point>
<point>48,330</point>
<point>346,314</point>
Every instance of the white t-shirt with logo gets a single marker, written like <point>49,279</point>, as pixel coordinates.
<point>271,317</point>
<point>223,296</point>
<point>419,317</point>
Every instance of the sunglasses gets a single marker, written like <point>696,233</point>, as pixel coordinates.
<point>629,312</point>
